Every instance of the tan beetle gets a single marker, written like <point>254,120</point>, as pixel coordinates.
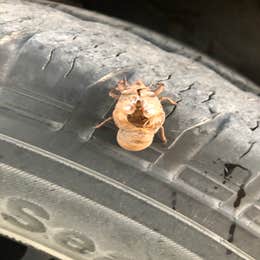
<point>138,114</point>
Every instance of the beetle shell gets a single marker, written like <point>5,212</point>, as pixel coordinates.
<point>138,114</point>
<point>133,136</point>
<point>126,105</point>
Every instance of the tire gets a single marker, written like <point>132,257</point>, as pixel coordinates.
<point>69,190</point>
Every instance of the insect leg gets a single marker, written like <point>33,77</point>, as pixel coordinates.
<point>159,89</point>
<point>168,99</point>
<point>162,135</point>
<point>121,85</point>
<point>113,94</point>
<point>126,82</point>
<point>104,122</point>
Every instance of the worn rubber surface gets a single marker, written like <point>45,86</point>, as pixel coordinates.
<point>69,190</point>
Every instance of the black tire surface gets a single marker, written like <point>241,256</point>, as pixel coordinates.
<point>69,190</point>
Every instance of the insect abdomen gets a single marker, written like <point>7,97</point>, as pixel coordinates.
<point>134,140</point>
